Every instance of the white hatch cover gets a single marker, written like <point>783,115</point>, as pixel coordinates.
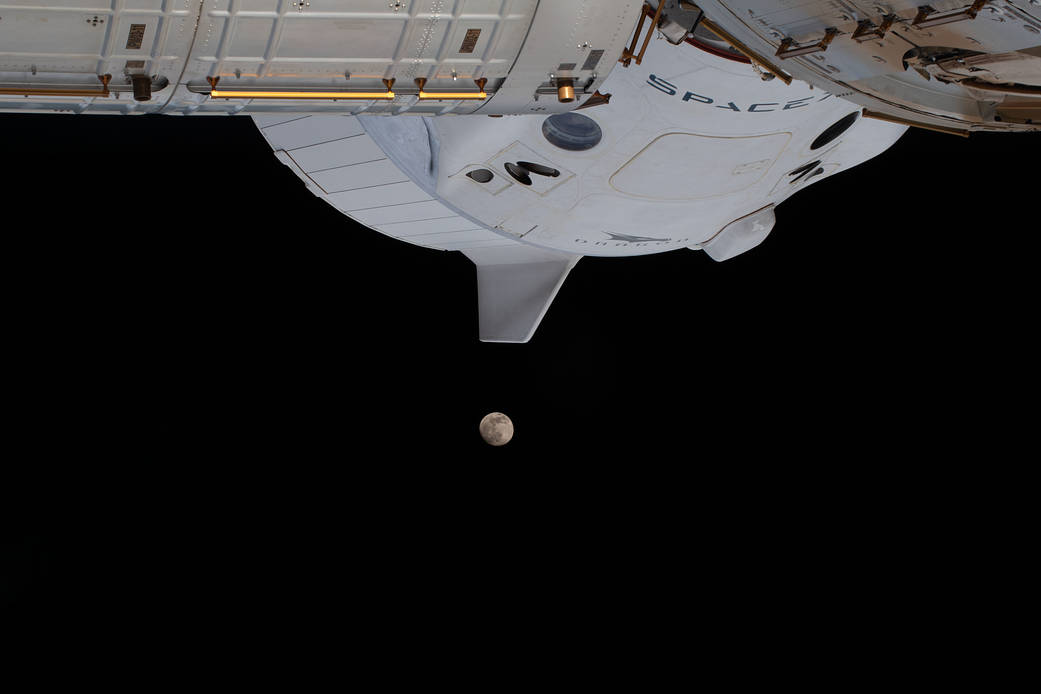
<point>683,166</point>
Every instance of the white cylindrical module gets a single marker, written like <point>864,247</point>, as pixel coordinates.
<point>426,57</point>
<point>949,65</point>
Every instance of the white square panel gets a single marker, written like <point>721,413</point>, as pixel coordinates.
<point>251,36</point>
<point>304,36</point>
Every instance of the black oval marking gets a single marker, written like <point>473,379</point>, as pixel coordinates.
<point>481,175</point>
<point>539,169</point>
<point>518,173</point>
<point>832,132</point>
<point>803,170</point>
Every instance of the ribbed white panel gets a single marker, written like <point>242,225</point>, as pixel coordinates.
<point>274,119</point>
<point>352,176</point>
<point>339,162</point>
<point>427,226</point>
<point>413,212</point>
<point>457,239</point>
<point>470,245</point>
<point>345,151</point>
<point>310,130</point>
<point>377,196</point>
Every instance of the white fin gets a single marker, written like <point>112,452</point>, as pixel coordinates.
<point>515,286</point>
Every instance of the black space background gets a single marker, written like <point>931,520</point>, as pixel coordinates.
<point>192,334</point>
<point>179,290</point>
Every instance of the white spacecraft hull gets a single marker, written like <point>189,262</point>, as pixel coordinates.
<point>692,145</point>
<point>696,152</point>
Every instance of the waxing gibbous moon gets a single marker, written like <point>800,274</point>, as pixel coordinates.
<point>496,429</point>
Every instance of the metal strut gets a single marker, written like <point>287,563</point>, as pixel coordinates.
<point>629,54</point>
